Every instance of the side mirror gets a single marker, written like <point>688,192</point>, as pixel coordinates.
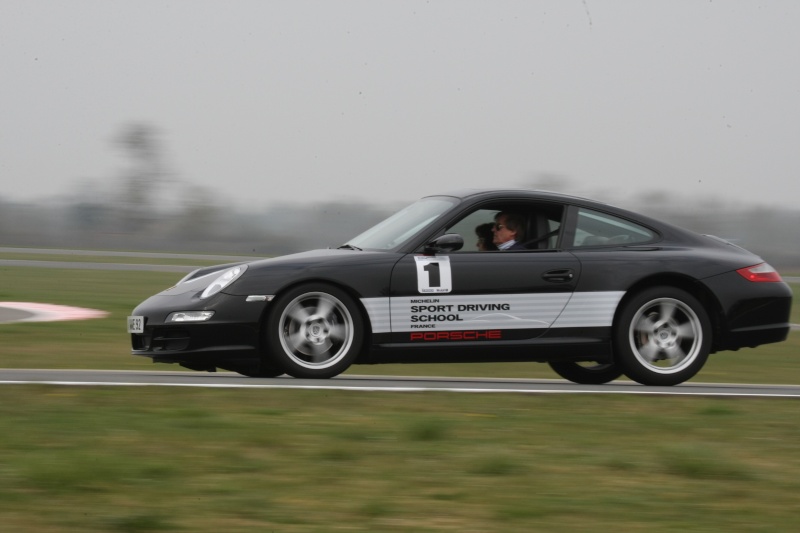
<point>449,242</point>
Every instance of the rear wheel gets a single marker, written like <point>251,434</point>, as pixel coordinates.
<point>588,373</point>
<point>662,337</point>
<point>314,331</point>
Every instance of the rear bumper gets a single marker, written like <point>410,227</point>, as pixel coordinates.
<point>752,313</point>
<point>755,336</point>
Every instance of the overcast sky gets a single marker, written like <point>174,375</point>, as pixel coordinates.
<point>278,101</point>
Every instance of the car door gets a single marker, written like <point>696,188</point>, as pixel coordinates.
<point>480,296</point>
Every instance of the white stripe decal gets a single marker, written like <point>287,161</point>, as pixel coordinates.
<point>379,314</point>
<point>496,311</point>
<point>589,309</point>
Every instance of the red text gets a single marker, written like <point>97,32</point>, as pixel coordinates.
<point>432,336</point>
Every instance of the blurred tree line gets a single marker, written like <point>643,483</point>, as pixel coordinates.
<point>201,226</point>
<point>189,228</point>
<point>147,208</point>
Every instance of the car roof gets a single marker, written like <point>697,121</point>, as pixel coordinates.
<point>530,194</point>
<point>476,195</point>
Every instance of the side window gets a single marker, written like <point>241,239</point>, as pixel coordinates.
<point>552,227</point>
<point>596,229</point>
<point>472,225</point>
<point>539,230</point>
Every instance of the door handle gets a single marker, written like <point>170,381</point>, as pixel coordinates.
<point>559,275</point>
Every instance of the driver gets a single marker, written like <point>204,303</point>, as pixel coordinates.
<point>509,231</point>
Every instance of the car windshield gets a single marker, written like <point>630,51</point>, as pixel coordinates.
<point>400,227</point>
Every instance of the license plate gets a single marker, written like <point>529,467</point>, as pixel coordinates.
<point>135,324</point>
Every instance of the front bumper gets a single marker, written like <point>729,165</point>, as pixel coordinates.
<point>232,333</point>
<point>174,344</point>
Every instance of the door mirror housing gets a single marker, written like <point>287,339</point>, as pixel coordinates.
<point>449,242</point>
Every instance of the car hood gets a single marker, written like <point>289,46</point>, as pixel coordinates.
<point>280,267</point>
<point>348,267</point>
<point>310,257</point>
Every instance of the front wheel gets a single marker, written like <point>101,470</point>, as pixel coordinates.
<point>586,373</point>
<point>314,331</point>
<point>662,336</point>
<point>260,370</point>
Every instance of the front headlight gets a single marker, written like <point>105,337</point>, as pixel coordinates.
<point>190,316</point>
<point>223,280</point>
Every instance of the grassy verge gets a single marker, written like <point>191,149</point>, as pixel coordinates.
<point>99,343</point>
<point>103,459</point>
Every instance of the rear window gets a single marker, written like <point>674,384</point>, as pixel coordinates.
<point>601,229</point>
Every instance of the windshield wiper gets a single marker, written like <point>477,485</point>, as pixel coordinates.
<point>349,247</point>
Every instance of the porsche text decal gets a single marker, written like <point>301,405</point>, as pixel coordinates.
<point>468,335</point>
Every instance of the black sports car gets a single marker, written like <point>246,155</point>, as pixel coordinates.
<point>593,290</point>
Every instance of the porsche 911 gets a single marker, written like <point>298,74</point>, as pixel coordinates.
<point>595,291</point>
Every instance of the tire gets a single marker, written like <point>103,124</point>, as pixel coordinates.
<point>586,373</point>
<point>254,369</point>
<point>662,336</point>
<point>268,372</point>
<point>261,371</point>
<point>314,331</point>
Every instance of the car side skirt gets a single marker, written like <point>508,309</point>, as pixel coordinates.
<point>578,344</point>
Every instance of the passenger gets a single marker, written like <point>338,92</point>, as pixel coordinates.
<point>509,231</point>
<point>485,237</point>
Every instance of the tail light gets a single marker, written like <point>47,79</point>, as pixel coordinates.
<point>762,272</point>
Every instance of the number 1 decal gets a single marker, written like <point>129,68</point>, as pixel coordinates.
<point>433,274</point>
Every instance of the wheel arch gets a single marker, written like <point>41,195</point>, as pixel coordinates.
<point>694,287</point>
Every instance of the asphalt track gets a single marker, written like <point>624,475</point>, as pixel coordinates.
<point>397,384</point>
